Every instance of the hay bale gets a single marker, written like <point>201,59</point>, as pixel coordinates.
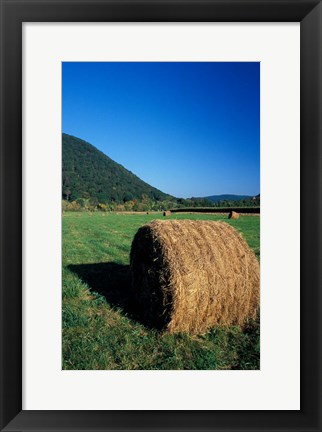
<point>167,213</point>
<point>233,215</point>
<point>188,276</point>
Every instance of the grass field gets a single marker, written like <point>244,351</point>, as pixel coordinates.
<point>98,329</point>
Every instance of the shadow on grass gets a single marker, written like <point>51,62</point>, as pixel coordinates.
<point>248,349</point>
<point>112,281</point>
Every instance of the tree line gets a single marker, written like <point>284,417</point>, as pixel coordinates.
<point>146,204</point>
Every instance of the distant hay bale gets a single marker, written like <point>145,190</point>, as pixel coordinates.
<point>167,213</point>
<point>189,276</point>
<point>233,215</point>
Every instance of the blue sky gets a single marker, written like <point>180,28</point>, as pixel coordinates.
<point>189,129</point>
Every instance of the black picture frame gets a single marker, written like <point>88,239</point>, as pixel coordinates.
<point>13,14</point>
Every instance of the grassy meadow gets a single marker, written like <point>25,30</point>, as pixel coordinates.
<point>99,331</point>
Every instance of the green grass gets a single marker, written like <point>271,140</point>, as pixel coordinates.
<point>98,330</point>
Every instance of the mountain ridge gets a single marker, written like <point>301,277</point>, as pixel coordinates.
<point>227,197</point>
<point>88,172</point>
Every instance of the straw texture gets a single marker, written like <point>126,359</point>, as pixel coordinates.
<point>189,276</point>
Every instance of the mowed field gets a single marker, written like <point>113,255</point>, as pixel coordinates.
<point>99,331</point>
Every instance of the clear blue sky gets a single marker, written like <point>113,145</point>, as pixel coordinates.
<point>189,129</point>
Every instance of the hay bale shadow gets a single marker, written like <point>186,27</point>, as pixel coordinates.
<point>112,281</point>
<point>248,351</point>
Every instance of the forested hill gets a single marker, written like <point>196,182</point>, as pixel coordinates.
<point>89,173</point>
<point>227,197</point>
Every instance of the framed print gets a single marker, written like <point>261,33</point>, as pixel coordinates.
<point>107,337</point>
<point>129,300</point>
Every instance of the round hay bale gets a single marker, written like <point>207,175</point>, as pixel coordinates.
<point>233,215</point>
<point>189,276</point>
<point>167,213</point>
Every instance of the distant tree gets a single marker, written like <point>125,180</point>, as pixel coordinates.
<point>127,197</point>
<point>81,202</point>
<point>66,193</point>
<point>93,201</point>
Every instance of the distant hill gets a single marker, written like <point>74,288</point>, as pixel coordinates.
<point>227,197</point>
<point>89,173</point>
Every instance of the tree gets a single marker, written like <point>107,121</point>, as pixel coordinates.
<point>66,193</point>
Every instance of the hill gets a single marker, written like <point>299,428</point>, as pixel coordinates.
<point>227,197</point>
<point>89,173</point>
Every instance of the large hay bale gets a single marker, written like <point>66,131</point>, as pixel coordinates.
<point>233,215</point>
<point>188,276</point>
<point>167,213</point>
